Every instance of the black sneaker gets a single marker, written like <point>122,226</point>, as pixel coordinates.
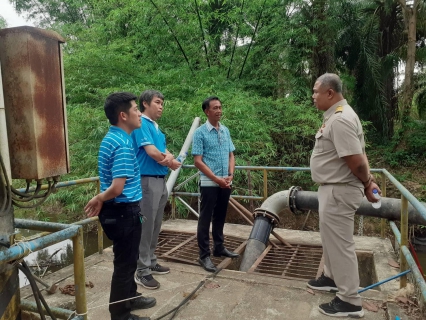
<point>339,308</point>
<point>323,283</point>
<point>159,269</point>
<point>142,302</point>
<point>147,281</point>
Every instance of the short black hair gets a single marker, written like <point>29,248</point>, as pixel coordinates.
<point>147,96</point>
<point>206,103</point>
<point>118,102</point>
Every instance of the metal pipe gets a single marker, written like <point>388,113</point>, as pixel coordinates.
<point>404,239</point>
<point>290,169</point>
<point>418,277</point>
<point>384,281</point>
<point>188,207</point>
<point>23,249</point>
<point>40,225</point>
<point>81,222</point>
<point>390,209</point>
<point>196,194</point>
<point>395,231</point>
<point>31,306</point>
<point>265,219</point>
<point>96,179</point>
<point>254,249</point>
<point>257,241</point>
<point>265,184</point>
<point>79,274</point>
<point>63,184</point>
<point>419,206</point>
<point>188,141</point>
<point>86,221</point>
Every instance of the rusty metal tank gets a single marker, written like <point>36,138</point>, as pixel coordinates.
<point>34,96</point>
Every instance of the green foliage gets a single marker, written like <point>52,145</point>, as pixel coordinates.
<point>3,23</point>
<point>260,57</point>
<point>413,151</point>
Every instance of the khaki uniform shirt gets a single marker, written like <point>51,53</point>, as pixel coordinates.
<point>340,135</point>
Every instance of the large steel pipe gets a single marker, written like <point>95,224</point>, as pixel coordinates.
<point>264,222</point>
<point>390,208</point>
<point>267,216</point>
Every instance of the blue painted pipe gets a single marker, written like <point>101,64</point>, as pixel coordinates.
<point>23,249</point>
<point>416,272</point>
<point>412,199</point>
<point>57,312</point>
<point>39,225</point>
<point>384,281</point>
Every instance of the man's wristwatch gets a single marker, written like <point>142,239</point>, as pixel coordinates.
<point>230,174</point>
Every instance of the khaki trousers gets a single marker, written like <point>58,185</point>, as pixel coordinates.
<point>337,206</point>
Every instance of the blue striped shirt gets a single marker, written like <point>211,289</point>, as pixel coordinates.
<point>214,146</point>
<point>117,160</point>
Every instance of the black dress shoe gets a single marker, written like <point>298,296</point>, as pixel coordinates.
<point>226,253</point>
<point>207,264</point>
<point>142,302</point>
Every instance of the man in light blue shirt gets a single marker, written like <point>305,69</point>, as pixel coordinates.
<point>213,153</point>
<point>154,162</point>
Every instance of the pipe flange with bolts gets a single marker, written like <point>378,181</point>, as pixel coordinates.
<point>292,199</point>
<point>274,219</point>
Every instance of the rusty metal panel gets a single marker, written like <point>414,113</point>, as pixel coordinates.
<point>34,102</point>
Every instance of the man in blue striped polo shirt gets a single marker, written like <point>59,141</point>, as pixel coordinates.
<point>213,153</point>
<point>154,160</point>
<point>118,203</point>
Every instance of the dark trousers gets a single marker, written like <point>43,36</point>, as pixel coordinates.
<point>214,203</point>
<point>122,225</point>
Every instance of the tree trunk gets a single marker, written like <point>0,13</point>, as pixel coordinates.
<point>410,19</point>
<point>323,52</point>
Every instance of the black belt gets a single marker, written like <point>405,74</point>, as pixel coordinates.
<point>153,176</point>
<point>122,204</point>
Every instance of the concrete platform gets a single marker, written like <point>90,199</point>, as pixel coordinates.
<point>232,294</point>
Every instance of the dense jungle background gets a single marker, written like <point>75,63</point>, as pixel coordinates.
<point>261,57</point>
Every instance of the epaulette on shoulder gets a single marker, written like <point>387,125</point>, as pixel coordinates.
<point>339,109</point>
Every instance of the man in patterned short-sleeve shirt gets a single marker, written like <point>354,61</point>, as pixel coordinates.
<point>213,153</point>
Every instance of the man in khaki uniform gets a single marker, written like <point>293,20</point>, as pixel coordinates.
<point>340,166</point>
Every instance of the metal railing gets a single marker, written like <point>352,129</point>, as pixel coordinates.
<point>407,261</point>
<point>56,232</point>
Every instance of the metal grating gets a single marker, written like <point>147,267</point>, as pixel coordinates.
<point>300,262</point>
<point>183,247</point>
<point>297,262</point>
